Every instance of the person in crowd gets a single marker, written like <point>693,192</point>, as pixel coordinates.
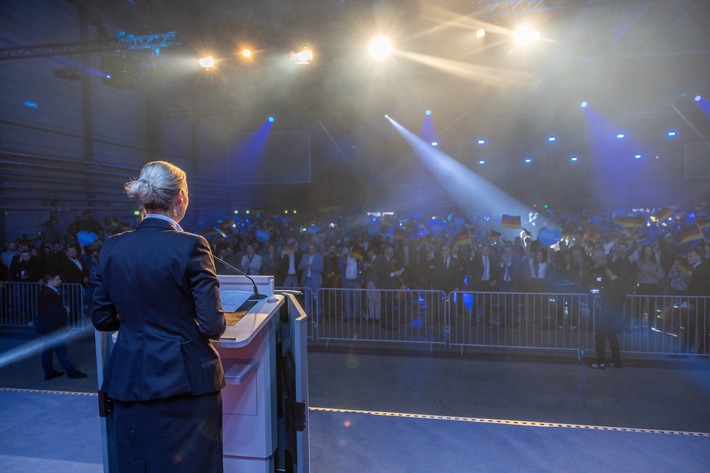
<point>649,279</point>
<point>370,282</point>
<point>311,269</point>
<point>609,309</point>
<point>388,277</point>
<point>331,273</point>
<point>251,261</point>
<point>699,288</point>
<point>351,269</point>
<point>678,276</point>
<point>406,257</point>
<point>509,281</point>
<point>290,258</point>
<point>9,253</point>
<point>482,279</point>
<point>158,287</point>
<point>74,270</point>
<point>55,258</point>
<point>51,320</point>
<point>25,268</point>
<point>534,270</point>
<point>270,260</point>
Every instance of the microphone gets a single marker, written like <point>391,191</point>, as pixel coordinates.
<point>254,297</point>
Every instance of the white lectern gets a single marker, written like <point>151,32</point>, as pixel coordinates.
<point>265,402</point>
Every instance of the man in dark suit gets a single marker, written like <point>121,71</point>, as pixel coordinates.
<point>698,286</point>
<point>51,319</point>
<point>72,268</point>
<point>311,268</point>
<point>482,278</point>
<point>157,286</point>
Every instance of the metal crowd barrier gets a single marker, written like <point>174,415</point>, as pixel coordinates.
<point>18,304</point>
<point>461,319</point>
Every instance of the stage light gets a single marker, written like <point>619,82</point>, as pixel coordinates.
<point>671,133</point>
<point>573,159</point>
<point>31,104</point>
<point>480,33</point>
<point>481,162</point>
<point>435,143</point>
<point>206,62</point>
<point>246,53</point>
<point>380,48</point>
<point>526,35</point>
<point>551,139</point>
<point>637,156</point>
<point>584,104</point>
<point>620,136</point>
<point>304,56</point>
<point>428,112</point>
<point>528,160</point>
<point>698,98</point>
<point>482,141</point>
<point>271,119</point>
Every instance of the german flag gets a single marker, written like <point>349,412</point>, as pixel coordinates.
<point>663,214</point>
<point>685,267</point>
<point>702,223</point>
<point>358,252</point>
<point>510,221</point>
<point>630,222</point>
<point>690,234</point>
<point>462,239</point>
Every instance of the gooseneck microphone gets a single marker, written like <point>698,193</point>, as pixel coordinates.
<point>253,297</point>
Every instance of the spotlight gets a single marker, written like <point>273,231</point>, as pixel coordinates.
<point>481,162</point>
<point>637,156</point>
<point>206,62</point>
<point>380,48</point>
<point>620,136</point>
<point>573,159</point>
<point>271,119</point>
<point>435,143</point>
<point>482,141</point>
<point>304,56</point>
<point>583,104</point>
<point>671,133</point>
<point>526,35</point>
<point>480,33</point>
<point>698,98</point>
<point>528,160</point>
<point>428,112</point>
<point>551,139</point>
<point>246,53</point>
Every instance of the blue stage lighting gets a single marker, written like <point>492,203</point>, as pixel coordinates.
<point>671,133</point>
<point>698,98</point>
<point>583,104</point>
<point>271,119</point>
<point>620,135</point>
<point>428,112</point>
<point>551,139</point>
<point>31,104</point>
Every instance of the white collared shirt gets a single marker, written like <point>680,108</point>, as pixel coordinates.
<point>167,219</point>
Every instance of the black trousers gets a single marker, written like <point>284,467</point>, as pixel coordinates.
<point>181,434</point>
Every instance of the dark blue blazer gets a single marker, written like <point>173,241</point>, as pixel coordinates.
<point>158,287</point>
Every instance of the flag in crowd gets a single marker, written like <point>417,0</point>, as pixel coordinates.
<point>510,221</point>
<point>630,222</point>
<point>663,214</point>
<point>690,234</point>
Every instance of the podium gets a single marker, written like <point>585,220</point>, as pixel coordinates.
<point>265,401</point>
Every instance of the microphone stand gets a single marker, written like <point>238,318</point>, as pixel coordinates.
<point>254,297</point>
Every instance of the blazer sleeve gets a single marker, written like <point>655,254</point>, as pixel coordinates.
<point>104,315</point>
<point>204,286</point>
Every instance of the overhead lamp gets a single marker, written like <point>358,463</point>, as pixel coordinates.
<point>380,47</point>
<point>480,33</point>
<point>525,35</point>
<point>304,56</point>
<point>206,62</point>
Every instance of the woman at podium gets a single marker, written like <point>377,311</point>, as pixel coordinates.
<point>157,287</point>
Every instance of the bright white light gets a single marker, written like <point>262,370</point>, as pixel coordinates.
<point>246,53</point>
<point>480,33</point>
<point>638,156</point>
<point>526,35</point>
<point>206,62</point>
<point>584,104</point>
<point>482,141</point>
<point>574,159</point>
<point>481,161</point>
<point>435,143</point>
<point>698,98</point>
<point>620,135</point>
<point>528,160</point>
<point>551,139</point>
<point>380,48</point>
<point>305,56</point>
<point>672,133</point>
